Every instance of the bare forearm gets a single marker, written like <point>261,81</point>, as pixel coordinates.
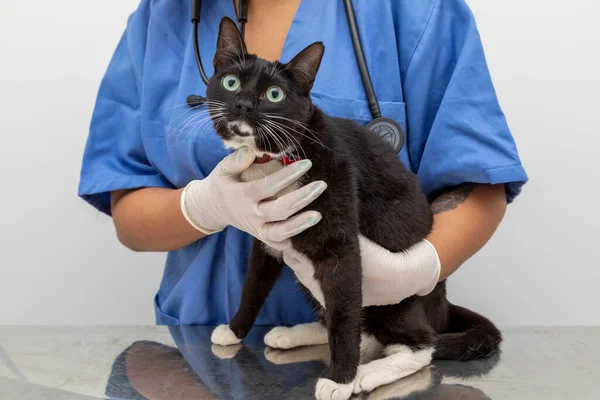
<point>150,219</point>
<point>465,218</point>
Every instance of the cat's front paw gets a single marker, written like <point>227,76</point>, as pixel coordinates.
<point>330,390</point>
<point>224,336</point>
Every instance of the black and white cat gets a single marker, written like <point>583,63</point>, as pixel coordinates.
<point>266,106</point>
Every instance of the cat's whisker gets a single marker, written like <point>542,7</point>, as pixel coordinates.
<point>198,129</point>
<point>212,113</point>
<point>200,112</point>
<point>186,113</point>
<point>293,143</point>
<point>184,124</point>
<point>184,105</point>
<point>285,129</point>
<point>208,119</point>
<point>280,143</point>
<point>293,121</point>
<point>186,120</point>
<point>264,135</point>
<point>191,122</point>
<point>198,124</point>
<point>195,108</point>
<point>285,138</point>
<point>280,128</point>
<point>272,135</point>
<point>207,101</point>
<point>219,122</point>
<point>298,146</point>
<point>261,135</point>
<point>312,136</point>
<point>195,115</point>
<point>214,101</point>
<point>313,139</point>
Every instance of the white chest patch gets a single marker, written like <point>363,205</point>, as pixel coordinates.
<point>237,142</point>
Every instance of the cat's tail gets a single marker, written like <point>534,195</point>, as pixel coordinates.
<point>469,336</point>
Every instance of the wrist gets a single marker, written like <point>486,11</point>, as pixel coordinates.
<point>428,256</point>
<point>195,209</point>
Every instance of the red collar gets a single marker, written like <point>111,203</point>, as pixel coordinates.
<point>285,160</point>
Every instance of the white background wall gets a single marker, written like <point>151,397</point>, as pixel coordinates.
<point>60,262</point>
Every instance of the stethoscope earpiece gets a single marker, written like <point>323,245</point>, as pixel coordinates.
<point>388,130</point>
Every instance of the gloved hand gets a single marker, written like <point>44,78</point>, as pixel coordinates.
<point>388,278</point>
<point>223,199</point>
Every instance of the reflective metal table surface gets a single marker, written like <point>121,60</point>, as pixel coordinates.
<point>180,363</point>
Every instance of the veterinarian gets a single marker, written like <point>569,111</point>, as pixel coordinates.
<point>145,146</point>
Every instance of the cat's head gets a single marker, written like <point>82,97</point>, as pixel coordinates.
<point>260,104</point>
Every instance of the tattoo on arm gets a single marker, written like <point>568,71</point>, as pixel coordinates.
<point>452,198</point>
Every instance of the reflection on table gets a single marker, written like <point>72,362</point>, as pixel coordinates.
<point>196,369</point>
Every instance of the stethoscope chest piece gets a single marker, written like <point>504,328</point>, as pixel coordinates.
<point>389,130</point>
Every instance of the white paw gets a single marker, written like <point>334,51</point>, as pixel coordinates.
<point>367,379</point>
<point>399,363</point>
<point>224,336</point>
<point>330,390</point>
<point>280,338</point>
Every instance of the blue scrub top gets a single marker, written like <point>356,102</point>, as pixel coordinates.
<point>430,74</point>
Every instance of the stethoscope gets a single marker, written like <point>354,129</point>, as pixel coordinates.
<point>386,128</point>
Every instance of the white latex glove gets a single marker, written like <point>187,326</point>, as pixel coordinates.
<point>388,278</point>
<point>223,199</point>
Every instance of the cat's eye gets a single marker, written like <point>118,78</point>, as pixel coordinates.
<point>275,94</point>
<point>231,82</point>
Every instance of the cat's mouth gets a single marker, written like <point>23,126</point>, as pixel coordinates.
<point>244,135</point>
<point>241,128</point>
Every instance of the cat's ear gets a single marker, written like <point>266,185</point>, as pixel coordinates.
<point>306,64</point>
<point>230,46</point>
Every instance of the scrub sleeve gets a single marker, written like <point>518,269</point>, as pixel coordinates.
<point>114,156</point>
<point>457,130</point>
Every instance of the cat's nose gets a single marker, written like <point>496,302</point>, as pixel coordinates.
<point>245,104</point>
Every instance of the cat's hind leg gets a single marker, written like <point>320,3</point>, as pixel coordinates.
<point>399,361</point>
<point>300,335</point>
<point>408,346</point>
